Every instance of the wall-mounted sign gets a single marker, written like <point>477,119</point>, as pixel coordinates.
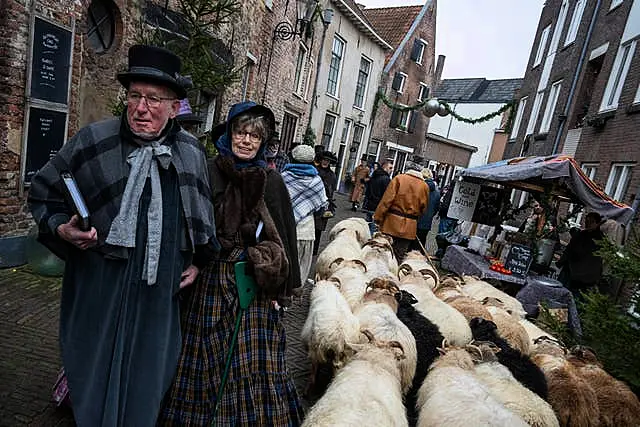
<point>464,200</point>
<point>50,60</point>
<point>45,136</point>
<point>489,205</point>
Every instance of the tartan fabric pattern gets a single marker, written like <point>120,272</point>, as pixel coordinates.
<point>281,160</point>
<point>306,192</point>
<point>259,390</point>
<point>97,158</point>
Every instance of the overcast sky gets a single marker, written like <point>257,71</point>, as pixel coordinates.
<point>481,38</point>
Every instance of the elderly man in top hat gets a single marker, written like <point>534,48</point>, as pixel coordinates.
<point>144,181</point>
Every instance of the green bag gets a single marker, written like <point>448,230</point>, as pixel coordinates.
<point>246,284</point>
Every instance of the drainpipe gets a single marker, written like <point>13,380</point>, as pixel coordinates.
<point>574,83</point>
<point>326,18</point>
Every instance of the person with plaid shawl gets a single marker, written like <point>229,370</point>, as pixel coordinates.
<point>152,226</point>
<point>306,190</point>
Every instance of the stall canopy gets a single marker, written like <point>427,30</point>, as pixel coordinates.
<point>559,175</point>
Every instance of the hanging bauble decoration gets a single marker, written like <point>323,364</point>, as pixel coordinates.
<point>431,107</point>
<point>442,110</point>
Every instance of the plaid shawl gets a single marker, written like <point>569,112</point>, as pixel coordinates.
<point>305,189</point>
<point>96,156</point>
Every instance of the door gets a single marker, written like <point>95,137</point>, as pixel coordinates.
<point>289,124</point>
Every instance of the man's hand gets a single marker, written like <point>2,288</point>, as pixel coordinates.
<point>189,276</point>
<point>72,233</point>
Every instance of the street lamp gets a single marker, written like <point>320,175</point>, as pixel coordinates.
<point>305,10</point>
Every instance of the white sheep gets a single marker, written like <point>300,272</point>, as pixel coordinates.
<point>345,245</point>
<point>367,391</point>
<point>353,280</point>
<point>377,254</point>
<point>381,320</point>
<point>514,396</point>
<point>358,225</point>
<point>510,329</point>
<point>415,261</point>
<point>329,326</point>
<point>534,332</point>
<point>479,290</point>
<point>452,396</point>
<point>452,324</point>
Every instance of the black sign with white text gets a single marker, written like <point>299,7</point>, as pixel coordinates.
<point>50,60</point>
<point>519,260</point>
<point>45,136</point>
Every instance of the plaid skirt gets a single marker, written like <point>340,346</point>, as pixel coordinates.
<point>259,390</point>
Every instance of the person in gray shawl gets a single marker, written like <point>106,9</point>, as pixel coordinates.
<point>145,183</point>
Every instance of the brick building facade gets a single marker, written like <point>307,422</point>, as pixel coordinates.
<point>409,76</point>
<point>580,94</point>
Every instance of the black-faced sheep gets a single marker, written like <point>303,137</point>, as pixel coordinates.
<point>428,339</point>
<point>520,365</point>
<point>367,391</point>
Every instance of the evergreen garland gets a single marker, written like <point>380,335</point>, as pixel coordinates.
<point>402,108</point>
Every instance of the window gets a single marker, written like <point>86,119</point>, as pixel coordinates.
<point>542,45</point>
<point>614,4</point>
<point>363,80</point>
<point>358,133</point>
<point>617,76</point>
<point>298,86</point>
<point>552,100</point>
<point>589,170</point>
<point>516,122</point>
<point>418,51</point>
<point>637,98</point>
<point>335,66</point>
<point>289,126</point>
<point>424,92</point>
<point>372,150</point>
<point>398,82</point>
<point>618,180</point>
<point>400,119</point>
<point>327,130</point>
<point>246,75</point>
<point>534,112</point>
<point>101,23</point>
<point>575,22</point>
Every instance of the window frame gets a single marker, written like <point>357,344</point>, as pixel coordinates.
<point>617,76</point>
<point>402,82</point>
<point>535,112</point>
<point>338,72</point>
<point>552,100</point>
<point>365,86</point>
<point>517,121</point>
<point>324,128</point>
<point>542,46</point>
<point>624,178</point>
<point>299,74</point>
<point>94,25</point>
<point>423,87</point>
<point>574,24</point>
<point>423,47</point>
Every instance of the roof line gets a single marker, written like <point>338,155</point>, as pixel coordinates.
<point>452,142</point>
<point>366,24</point>
<point>407,36</point>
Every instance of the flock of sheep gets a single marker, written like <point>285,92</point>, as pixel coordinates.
<point>407,348</point>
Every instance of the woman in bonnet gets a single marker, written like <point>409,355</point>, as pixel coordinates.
<point>255,223</point>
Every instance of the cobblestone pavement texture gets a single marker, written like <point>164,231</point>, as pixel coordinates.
<point>29,350</point>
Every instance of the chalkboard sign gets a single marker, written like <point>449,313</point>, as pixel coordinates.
<point>45,136</point>
<point>50,57</point>
<point>487,209</point>
<point>519,260</point>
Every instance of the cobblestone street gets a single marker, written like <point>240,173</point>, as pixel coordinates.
<point>29,351</point>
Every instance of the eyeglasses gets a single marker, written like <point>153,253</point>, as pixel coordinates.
<point>153,101</point>
<point>253,136</point>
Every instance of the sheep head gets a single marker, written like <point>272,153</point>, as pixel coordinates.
<point>405,297</point>
<point>378,235</point>
<point>483,330</point>
<point>549,346</point>
<point>454,357</point>
<point>395,346</point>
<point>482,351</point>
<point>585,354</point>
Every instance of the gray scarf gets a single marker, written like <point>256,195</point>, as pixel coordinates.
<point>123,228</point>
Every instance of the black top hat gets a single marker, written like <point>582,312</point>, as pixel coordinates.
<point>328,155</point>
<point>154,64</point>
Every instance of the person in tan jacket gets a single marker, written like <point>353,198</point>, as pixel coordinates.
<point>404,201</point>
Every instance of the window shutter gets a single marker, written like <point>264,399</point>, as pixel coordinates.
<point>395,115</point>
<point>425,93</point>
<point>415,52</point>
<point>397,80</point>
<point>413,117</point>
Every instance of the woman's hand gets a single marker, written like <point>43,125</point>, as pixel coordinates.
<point>189,276</point>
<point>72,233</point>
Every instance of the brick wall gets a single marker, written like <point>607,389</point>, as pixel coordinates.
<point>415,74</point>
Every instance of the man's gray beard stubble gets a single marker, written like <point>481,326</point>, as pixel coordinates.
<point>147,136</point>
